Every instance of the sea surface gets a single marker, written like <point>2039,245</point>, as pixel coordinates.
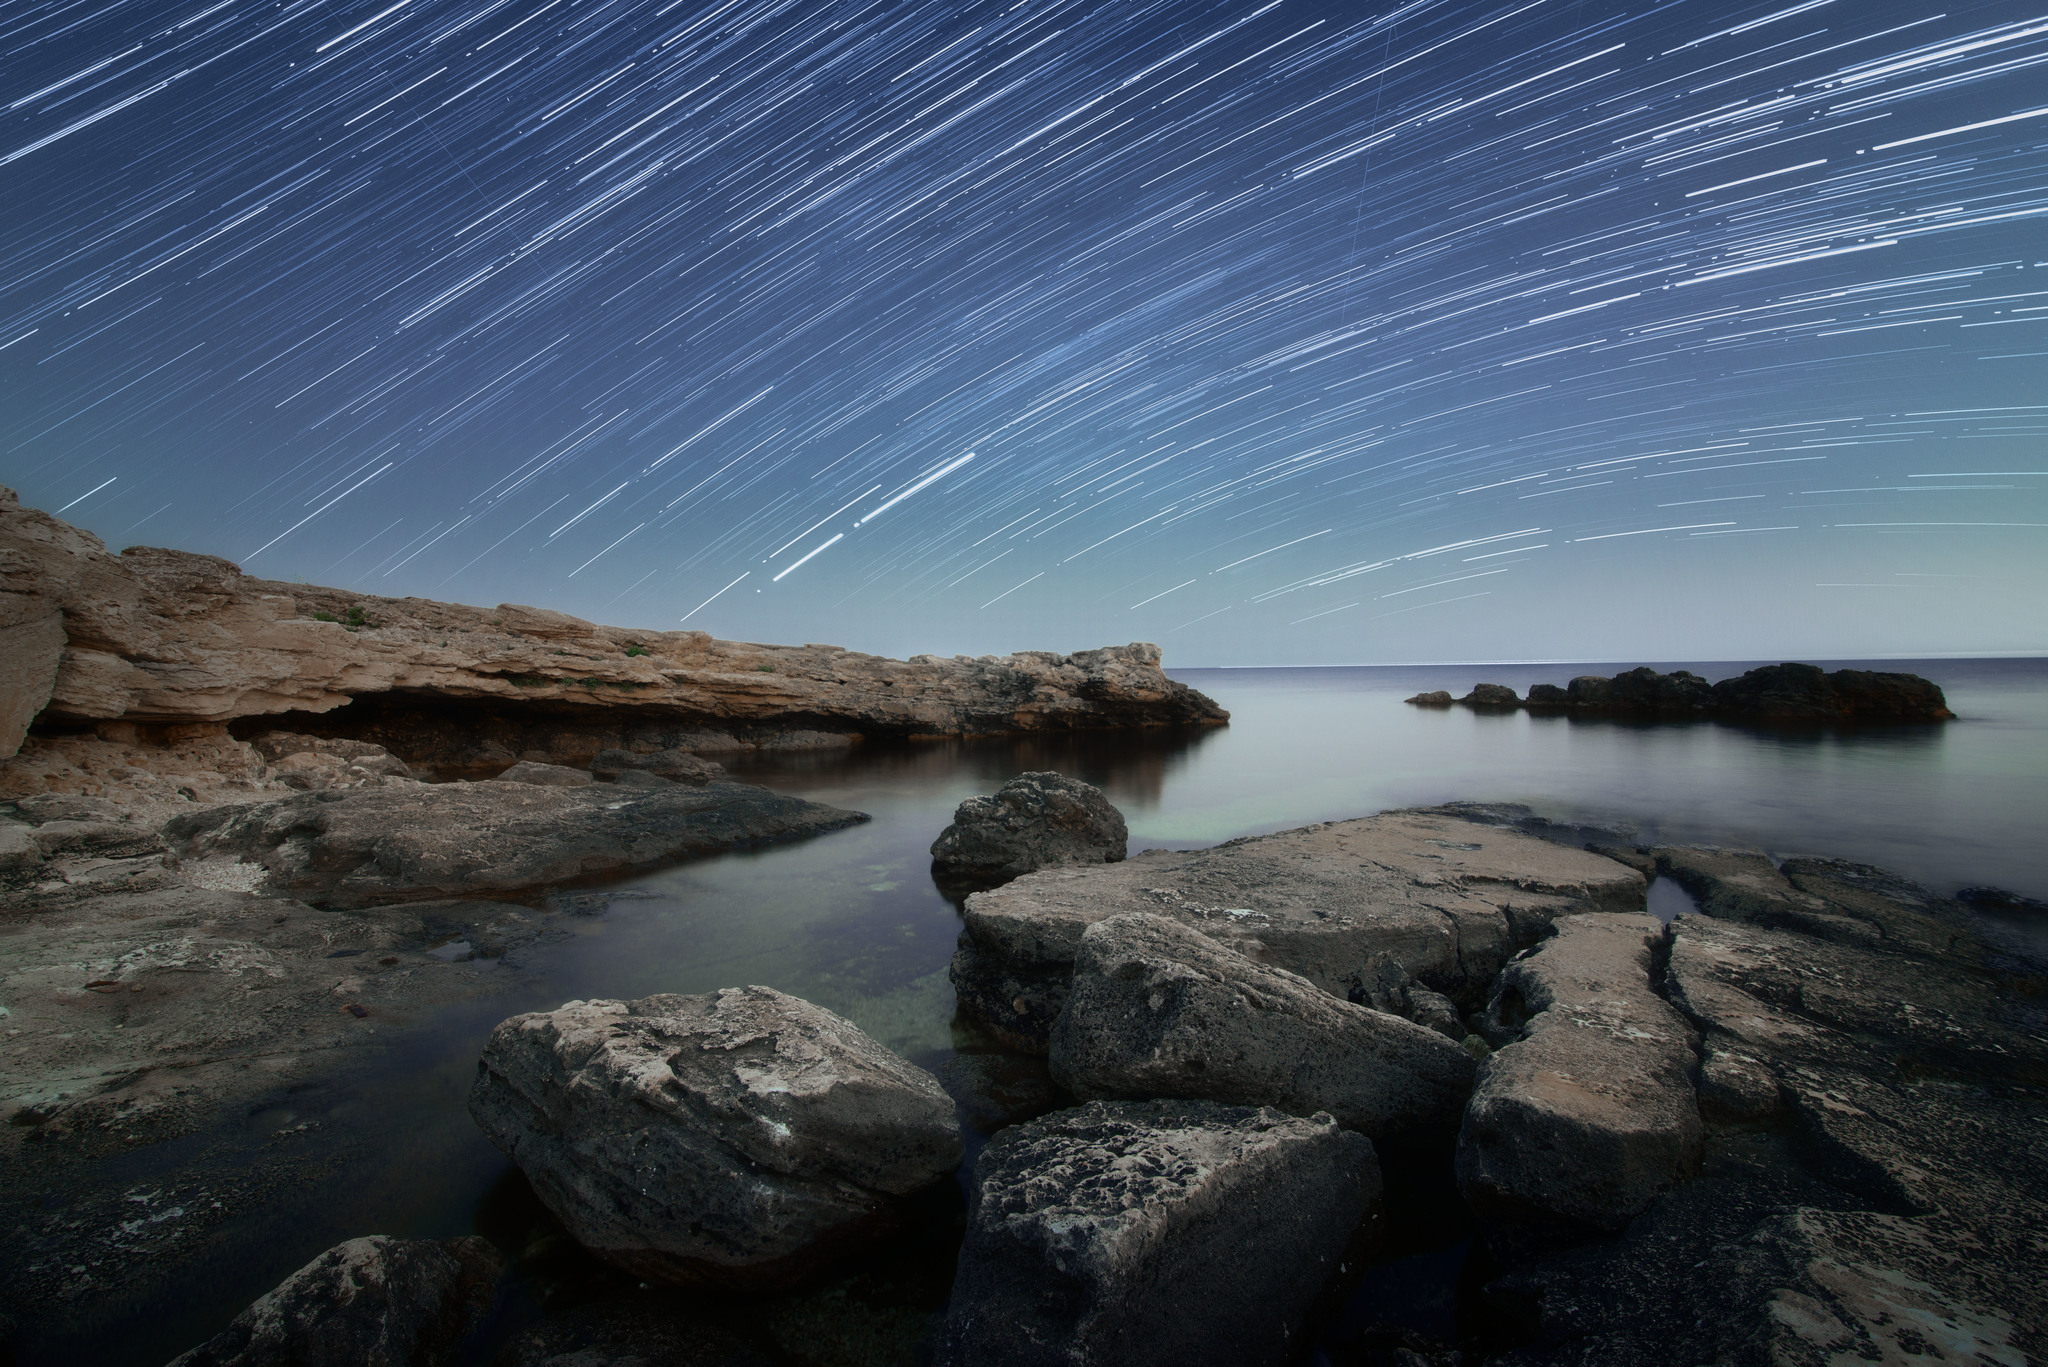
<point>852,920</point>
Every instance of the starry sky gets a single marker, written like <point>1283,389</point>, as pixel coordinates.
<point>1272,331</point>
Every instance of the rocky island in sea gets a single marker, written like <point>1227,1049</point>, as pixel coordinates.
<point>253,832</point>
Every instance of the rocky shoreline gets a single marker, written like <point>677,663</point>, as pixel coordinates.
<point>1794,694</point>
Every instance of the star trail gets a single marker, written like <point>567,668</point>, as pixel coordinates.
<point>1274,332</point>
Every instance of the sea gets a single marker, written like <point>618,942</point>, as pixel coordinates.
<point>853,921</point>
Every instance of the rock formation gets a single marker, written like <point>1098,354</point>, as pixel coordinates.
<point>1035,821</point>
<point>376,1300</point>
<point>1362,909</point>
<point>167,639</point>
<point>741,1138</point>
<point>1587,1111</point>
<point>1784,693</point>
<point>417,841</point>
<point>1162,1232</point>
<point>1160,1009</point>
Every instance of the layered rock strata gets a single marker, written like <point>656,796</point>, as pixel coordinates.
<point>1587,1111</point>
<point>374,1300</point>
<point>1035,821</point>
<point>416,842</point>
<point>1160,1009</point>
<point>1774,693</point>
<point>1363,909</point>
<point>1163,1232</point>
<point>741,1138</point>
<point>168,638</point>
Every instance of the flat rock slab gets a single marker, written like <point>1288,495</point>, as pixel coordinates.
<point>1160,1009</point>
<point>375,1300</point>
<point>740,1138</point>
<point>1430,896</point>
<point>1588,1113</point>
<point>1165,1232</point>
<point>425,842</point>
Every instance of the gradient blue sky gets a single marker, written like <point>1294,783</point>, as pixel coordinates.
<point>1272,332</point>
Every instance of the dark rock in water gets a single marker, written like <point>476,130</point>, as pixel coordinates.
<point>377,1301</point>
<point>1161,1232</point>
<point>742,1138</point>
<point>679,766</point>
<point>1547,695</point>
<point>424,842</point>
<point>1586,1111</point>
<point>1035,821</point>
<point>1796,692</point>
<point>1998,899</point>
<point>1589,690</point>
<point>1648,693</point>
<point>1439,698</point>
<point>1160,1009</point>
<point>1015,1000</point>
<point>639,1332</point>
<point>1489,696</point>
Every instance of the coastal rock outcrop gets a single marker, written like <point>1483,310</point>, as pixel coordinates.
<point>1774,693</point>
<point>1035,821</point>
<point>741,1138</point>
<point>165,638</point>
<point>677,766</point>
<point>417,842</point>
<point>1587,1111</point>
<point>1159,1232</point>
<point>1160,1009</point>
<point>377,1300</point>
<point>1359,908</point>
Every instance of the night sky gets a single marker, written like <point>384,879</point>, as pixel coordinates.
<point>1275,333</point>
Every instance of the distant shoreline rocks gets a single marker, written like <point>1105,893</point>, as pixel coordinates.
<point>1773,693</point>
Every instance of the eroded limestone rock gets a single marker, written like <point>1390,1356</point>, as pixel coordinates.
<point>1586,1112</point>
<point>1035,821</point>
<point>1153,1232</point>
<point>740,1138</point>
<point>1160,1009</point>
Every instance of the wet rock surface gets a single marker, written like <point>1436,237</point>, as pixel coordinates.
<point>1154,1232</point>
<point>1359,908</point>
<point>464,839</point>
<point>1159,1009</point>
<point>1585,1111</point>
<point>1035,821</point>
<point>372,1301</point>
<point>742,1138</point>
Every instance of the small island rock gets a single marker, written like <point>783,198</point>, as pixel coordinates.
<point>741,1138</point>
<point>1439,698</point>
<point>1489,695</point>
<point>1035,821</point>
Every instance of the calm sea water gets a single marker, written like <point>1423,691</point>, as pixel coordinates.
<point>852,921</point>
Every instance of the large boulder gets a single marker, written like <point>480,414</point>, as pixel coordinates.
<point>1800,692</point>
<point>1359,908</point>
<point>1160,1009</point>
<point>420,842</point>
<point>1491,697</point>
<point>1587,1111</point>
<point>1165,1232</point>
<point>741,1138</point>
<point>1035,821</point>
<point>371,1302</point>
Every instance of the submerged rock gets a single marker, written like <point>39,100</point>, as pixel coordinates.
<point>1035,821</point>
<point>742,1138</point>
<point>678,766</point>
<point>1586,1111</point>
<point>377,1302</point>
<point>1159,1009</point>
<point>422,842</point>
<point>1356,907</point>
<point>1160,1232</point>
